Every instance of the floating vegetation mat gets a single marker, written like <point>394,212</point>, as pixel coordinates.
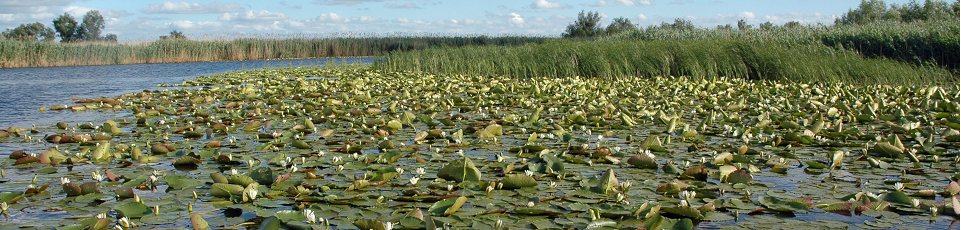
<point>352,148</point>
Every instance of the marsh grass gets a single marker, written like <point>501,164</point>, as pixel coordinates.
<point>15,54</point>
<point>880,53</point>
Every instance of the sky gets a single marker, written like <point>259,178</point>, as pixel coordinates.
<point>143,20</point>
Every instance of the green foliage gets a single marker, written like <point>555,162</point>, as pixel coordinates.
<point>871,11</point>
<point>66,27</point>
<point>707,58</point>
<point>30,32</point>
<point>92,25</point>
<point>587,25</point>
<point>174,35</point>
<point>620,25</point>
<point>31,54</point>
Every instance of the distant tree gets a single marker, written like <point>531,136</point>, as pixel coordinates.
<point>587,25</point>
<point>66,28</point>
<point>725,27</point>
<point>173,35</point>
<point>792,24</point>
<point>767,25</point>
<point>112,38</point>
<point>92,25</point>
<point>742,25</point>
<point>867,11</point>
<point>679,24</point>
<point>619,25</point>
<point>30,32</point>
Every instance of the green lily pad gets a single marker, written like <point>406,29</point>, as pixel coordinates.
<point>133,210</point>
<point>447,206</point>
<point>460,170</point>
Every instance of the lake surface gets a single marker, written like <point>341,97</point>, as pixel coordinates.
<point>23,91</point>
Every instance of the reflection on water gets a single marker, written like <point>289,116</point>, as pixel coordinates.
<point>23,91</point>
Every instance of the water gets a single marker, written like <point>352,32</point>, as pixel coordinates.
<point>24,91</point>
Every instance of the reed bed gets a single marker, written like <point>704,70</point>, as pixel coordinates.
<point>879,53</point>
<point>16,54</point>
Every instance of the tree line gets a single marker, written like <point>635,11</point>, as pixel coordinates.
<point>66,27</point>
<point>588,24</point>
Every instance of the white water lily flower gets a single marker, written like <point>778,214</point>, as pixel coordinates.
<point>250,163</point>
<point>388,225</point>
<point>102,216</point>
<point>490,188</point>
<point>413,180</point>
<point>3,207</point>
<point>293,168</point>
<point>97,176</point>
<point>530,204</point>
<point>124,221</point>
<point>529,172</point>
<point>420,171</point>
<point>499,224</point>
<point>320,153</point>
<point>252,194</point>
<point>340,168</point>
<point>683,203</point>
<point>500,158</point>
<point>399,170</point>
<point>336,159</point>
<point>309,215</point>
<point>450,187</point>
<point>934,210</point>
<point>915,202</point>
<point>552,184</point>
<point>899,186</point>
<point>64,180</point>
<point>234,172</point>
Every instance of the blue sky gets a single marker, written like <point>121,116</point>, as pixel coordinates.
<point>139,20</point>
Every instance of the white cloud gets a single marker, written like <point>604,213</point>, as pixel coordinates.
<point>31,6</point>
<point>191,8</point>
<point>544,4</point>
<point>331,17</point>
<point>746,15</point>
<point>645,2</point>
<point>516,19</point>
<point>344,2</point>
<point>254,15</point>
<point>405,6</point>
<point>186,24</point>
<point>641,17</point>
<point>611,3</point>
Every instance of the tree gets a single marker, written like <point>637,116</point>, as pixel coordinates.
<point>767,26</point>
<point>724,27</point>
<point>30,32</point>
<point>619,25</point>
<point>112,38</point>
<point>792,24</point>
<point>679,24</point>
<point>174,35</point>
<point>92,25</point>
<point>66,28</point>
<point>742,25</point>
<point>867,11</point>
<point>587,25</point>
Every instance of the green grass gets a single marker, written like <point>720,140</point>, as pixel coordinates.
<point>15,54</point>
<point>882,53</point>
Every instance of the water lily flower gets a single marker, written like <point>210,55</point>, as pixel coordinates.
<point>252,194</point>
<point>460,152</point>
<point>102,216</point>
<point>97,176</point>
<point>915,202</point>
<point>124,221</point>
<point>500,158</point>
<point>552,185</point>
<point>413,180</point>
<point>490,188</point>
<point>388,225</point>
<point>320,153</point>
<point>683,203</point>
<point>420,171</point>
<point>899,186</point>
<point>3,207</point>
<point>625,185</point>
<point>934,210</point>
<point>340,168</point>
<point>450,187</point>
<point>620,197</point>
<point>530,204</point>
<point>499,224</point>
<point>399,170</point>
<point>293,168</point>
<point>336,159</point>
<point>529,172</point>
<point>309,215</point>
<point>156,210</point>
<point>250,163</point>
